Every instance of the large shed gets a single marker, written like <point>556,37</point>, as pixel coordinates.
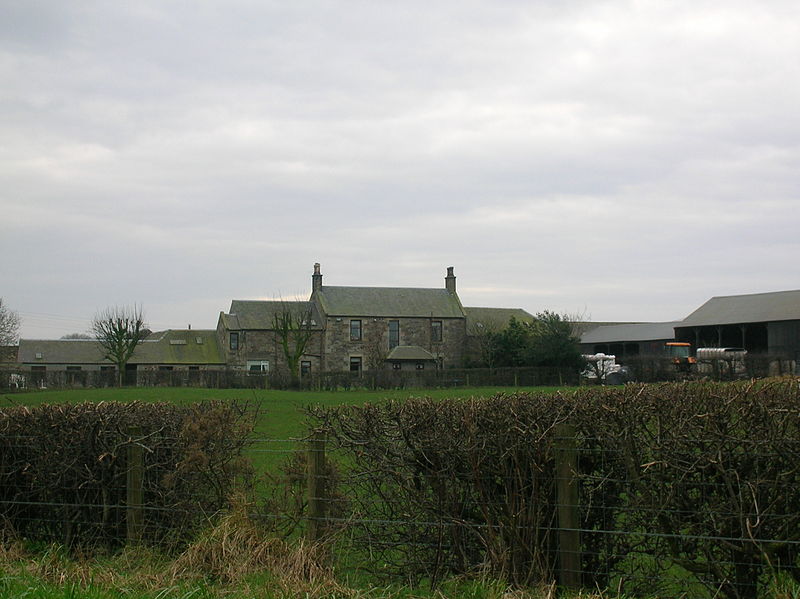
<point>767,323</point>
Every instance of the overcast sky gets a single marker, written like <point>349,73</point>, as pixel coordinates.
<point>620,160</point>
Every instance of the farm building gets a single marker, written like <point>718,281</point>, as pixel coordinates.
<point>82,360</point>
<point>361,328</point>
<point>763,323</point>
<point>349,329</point>
<point>628,339</point>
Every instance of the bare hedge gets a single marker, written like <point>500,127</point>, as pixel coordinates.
<point>699,481</point>
<point>64,468</point>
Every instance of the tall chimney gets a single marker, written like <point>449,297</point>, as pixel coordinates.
<point>316,279</point>
<point>450,280</point>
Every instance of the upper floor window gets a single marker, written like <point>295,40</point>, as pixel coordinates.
<point>436,331</point>
<point>234,341</point>
<point>355,330</point>
<point>394,333</point>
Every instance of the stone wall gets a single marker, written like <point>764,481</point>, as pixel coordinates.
<point>374,344</point>
<point>258,345</point>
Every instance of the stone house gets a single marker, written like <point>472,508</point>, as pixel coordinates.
<point>358,328</point>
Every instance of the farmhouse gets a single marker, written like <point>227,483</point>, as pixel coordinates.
<point>361,328</point>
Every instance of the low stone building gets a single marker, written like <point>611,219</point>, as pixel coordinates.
<point>84,359</point>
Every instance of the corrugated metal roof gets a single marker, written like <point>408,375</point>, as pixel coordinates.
<point>167,347</point>
<point>389,301</point>
<point>493,319</point>
<point>259,314</point>
<point>738,309</point>
<point>410,352</point>
<point>643,331</point>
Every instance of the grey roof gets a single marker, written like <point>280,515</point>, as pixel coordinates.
<point>737,309</point>
<point>642,331</point>
<point>165,347</point>
<point>60,351</point>
<point>388,302</point>
<point>410,352</point>
<point>493,319</point>
<point>258,314</point>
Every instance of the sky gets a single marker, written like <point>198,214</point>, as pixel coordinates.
<point>617,161</point>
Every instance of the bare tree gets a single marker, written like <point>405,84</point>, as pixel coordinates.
<point>376,349</point>
<point>481,337</point>
<point>9,325</point>
<point>119,330</point>
<point>293,329</point>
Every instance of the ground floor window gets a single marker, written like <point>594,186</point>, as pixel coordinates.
<point>257,366</point>
<point>305,368</point>
<point>355,364</point>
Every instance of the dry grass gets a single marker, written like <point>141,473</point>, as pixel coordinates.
<point>235,558</point>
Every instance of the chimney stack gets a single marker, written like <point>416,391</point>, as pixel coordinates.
<point>316,279</point>
<point>450,280</point>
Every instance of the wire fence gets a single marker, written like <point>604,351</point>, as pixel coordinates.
<point>18,379</point>
<point>709,514</point>
<point>552,526</point>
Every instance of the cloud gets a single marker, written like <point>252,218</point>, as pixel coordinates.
<point>632,158</point>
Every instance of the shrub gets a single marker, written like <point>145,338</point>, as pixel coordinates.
<point>64,468</point>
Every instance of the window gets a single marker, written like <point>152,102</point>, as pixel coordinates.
<point>355,364</point>
<point>436,331</point>
<point>165,368</point>
<point>355,330</point>
<point>257,366</point>
<point>73,368</point>
<point>234,341</point>
<point>420,365</point>
<point>396,365</point>
<point>394,333</point>
<point>305,368</point>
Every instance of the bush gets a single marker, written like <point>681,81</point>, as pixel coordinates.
<point>64,468</point>
<point>699,479</point>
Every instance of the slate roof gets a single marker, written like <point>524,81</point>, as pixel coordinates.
<point>259,314</point>
<point>642,331</point>
<point>739,309</point>
<point>410,352</point>
<point>493,319</point>
<point>388,302</point>
<point>165,347</point>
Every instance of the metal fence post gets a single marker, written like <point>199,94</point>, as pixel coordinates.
<point>569,516</point>
<point>316,485</point>
<point>135,491</point>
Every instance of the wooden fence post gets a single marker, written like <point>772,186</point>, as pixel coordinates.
<point>569,515</point>
<point>316,486</point>
<point>135,490</point>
